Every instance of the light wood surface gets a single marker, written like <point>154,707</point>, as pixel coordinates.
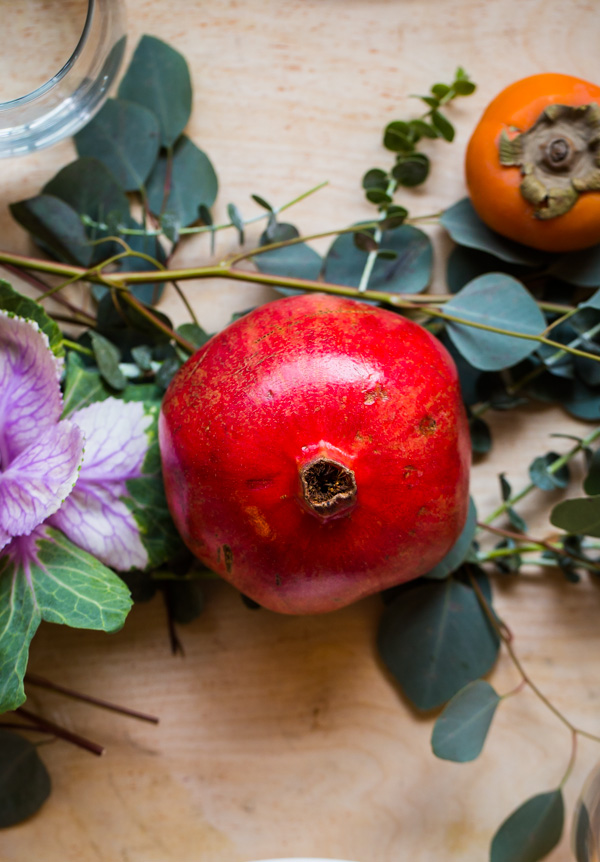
<point>284,736</point>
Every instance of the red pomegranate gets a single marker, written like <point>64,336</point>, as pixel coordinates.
<point>317,451</point>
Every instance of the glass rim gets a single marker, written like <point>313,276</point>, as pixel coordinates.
<point>58,76</point>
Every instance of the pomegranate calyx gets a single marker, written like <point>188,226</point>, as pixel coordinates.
<point>328,488</point>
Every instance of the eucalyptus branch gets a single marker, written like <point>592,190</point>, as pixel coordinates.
<point>502,632</point>
<point>533,544</point>
<point>199,229</point>
<point>552,468</point>
<point>372,256</point>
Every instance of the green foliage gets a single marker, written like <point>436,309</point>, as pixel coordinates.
<point>158,78</point>
<point>460,731</point>
<point>192,183</point>
<point>543,477</point>
<point>107,358</point>
<point>531,831</point>
<point>124,136</point>
<point>65,585</point>
<point>500,301</point>
<point>21,306</point>
<point>579,515</point>
<point>56,227</point>
<point>24,780</point>
<point>434,638</point>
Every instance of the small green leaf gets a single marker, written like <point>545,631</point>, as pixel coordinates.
<point>435,638</point>
<point>541,476</point>
<point>499,301</point>
<point>365,241</point>
<point>411,170</point>
<point>460,731</point>
<point>378,197</point>
<point>158,78</point>
<point>394,217</point>
<point>460,550</point>
<point>431,101</point>
<point>55,226</point>
<point>125,137</point>
<point>107,358</point>
<point>22,306</point>
<point>440,90</point>
<point>237,220</point>
<point>423,129</point>
<point>531,831</point>
<point>193,183</point>
<point>262,203</point>
<point>398,137</point>
<point>194,333</point>
<point>463,88</point>
<point>375,179</point>
<point>466,228</point>
<point>442,125</point>
<point>579,515</point>
<point>24,780</point>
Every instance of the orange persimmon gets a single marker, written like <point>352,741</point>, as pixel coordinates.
<point>533,163</point>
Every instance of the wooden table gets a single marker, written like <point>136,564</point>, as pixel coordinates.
<point>284,736</point>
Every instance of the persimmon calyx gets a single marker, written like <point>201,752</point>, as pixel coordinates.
<point>559,157</point>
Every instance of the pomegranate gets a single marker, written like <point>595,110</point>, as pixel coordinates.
<point>317,451</point>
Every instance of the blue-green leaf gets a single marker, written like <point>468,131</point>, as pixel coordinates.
<point>409,272</point>
<point>541,476</point>
<point>193,183</point>
<point>24,780</point>
<point>466,228</point>
<point>460,731</point>
<point>435,638</point>
<point>531,831</point>
<point>499,301</point>
<point>159,79</point>
<point>581,268</point>
<point>460,550</point>
<point>125,137</point>
<point>56,227</point>
<point>295,261</point>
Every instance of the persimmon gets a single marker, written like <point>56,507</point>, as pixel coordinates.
<point>533,163</point>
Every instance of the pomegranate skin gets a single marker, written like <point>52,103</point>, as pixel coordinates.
<point>317,451</point>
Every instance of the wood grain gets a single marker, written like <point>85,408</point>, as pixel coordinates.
<point>284,736</point>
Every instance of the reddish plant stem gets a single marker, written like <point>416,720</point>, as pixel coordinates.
<point>39,723</point>
<point>42,682</point>
<point>544,543</point>
<point>40,285</point>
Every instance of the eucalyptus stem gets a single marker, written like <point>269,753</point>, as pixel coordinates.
<point>506,639</point>
<point>533,544</point>
<point>78,348</point>
<point>552,468</point>
<point>372,256</point>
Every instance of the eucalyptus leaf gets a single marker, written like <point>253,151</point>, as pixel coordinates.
<point>460,550</point>
<point>193,183</point>
<point>22,306</point>
<point>293,261</point>
<point>125,137</point>
<point>460,731</point>
<point>158,78</point>
<point>466,264</point>
<point>61,584</point>
<point>466,228</point>
<point>398,137</point>
<point>500,301</point>
<point>581,268</point>
<point>56,226</point>
<point>411,170</point>
<point>107,358</point>
<point>24,781</point>
<point>578,515</point>
<point>481,436</point>
<point>147,292</point>
<point>410,272</point>
<point>375,179</point>
<point>442,125</point>
<point>435,638</point>
<point>531,831</point>
<point>543,478</point>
